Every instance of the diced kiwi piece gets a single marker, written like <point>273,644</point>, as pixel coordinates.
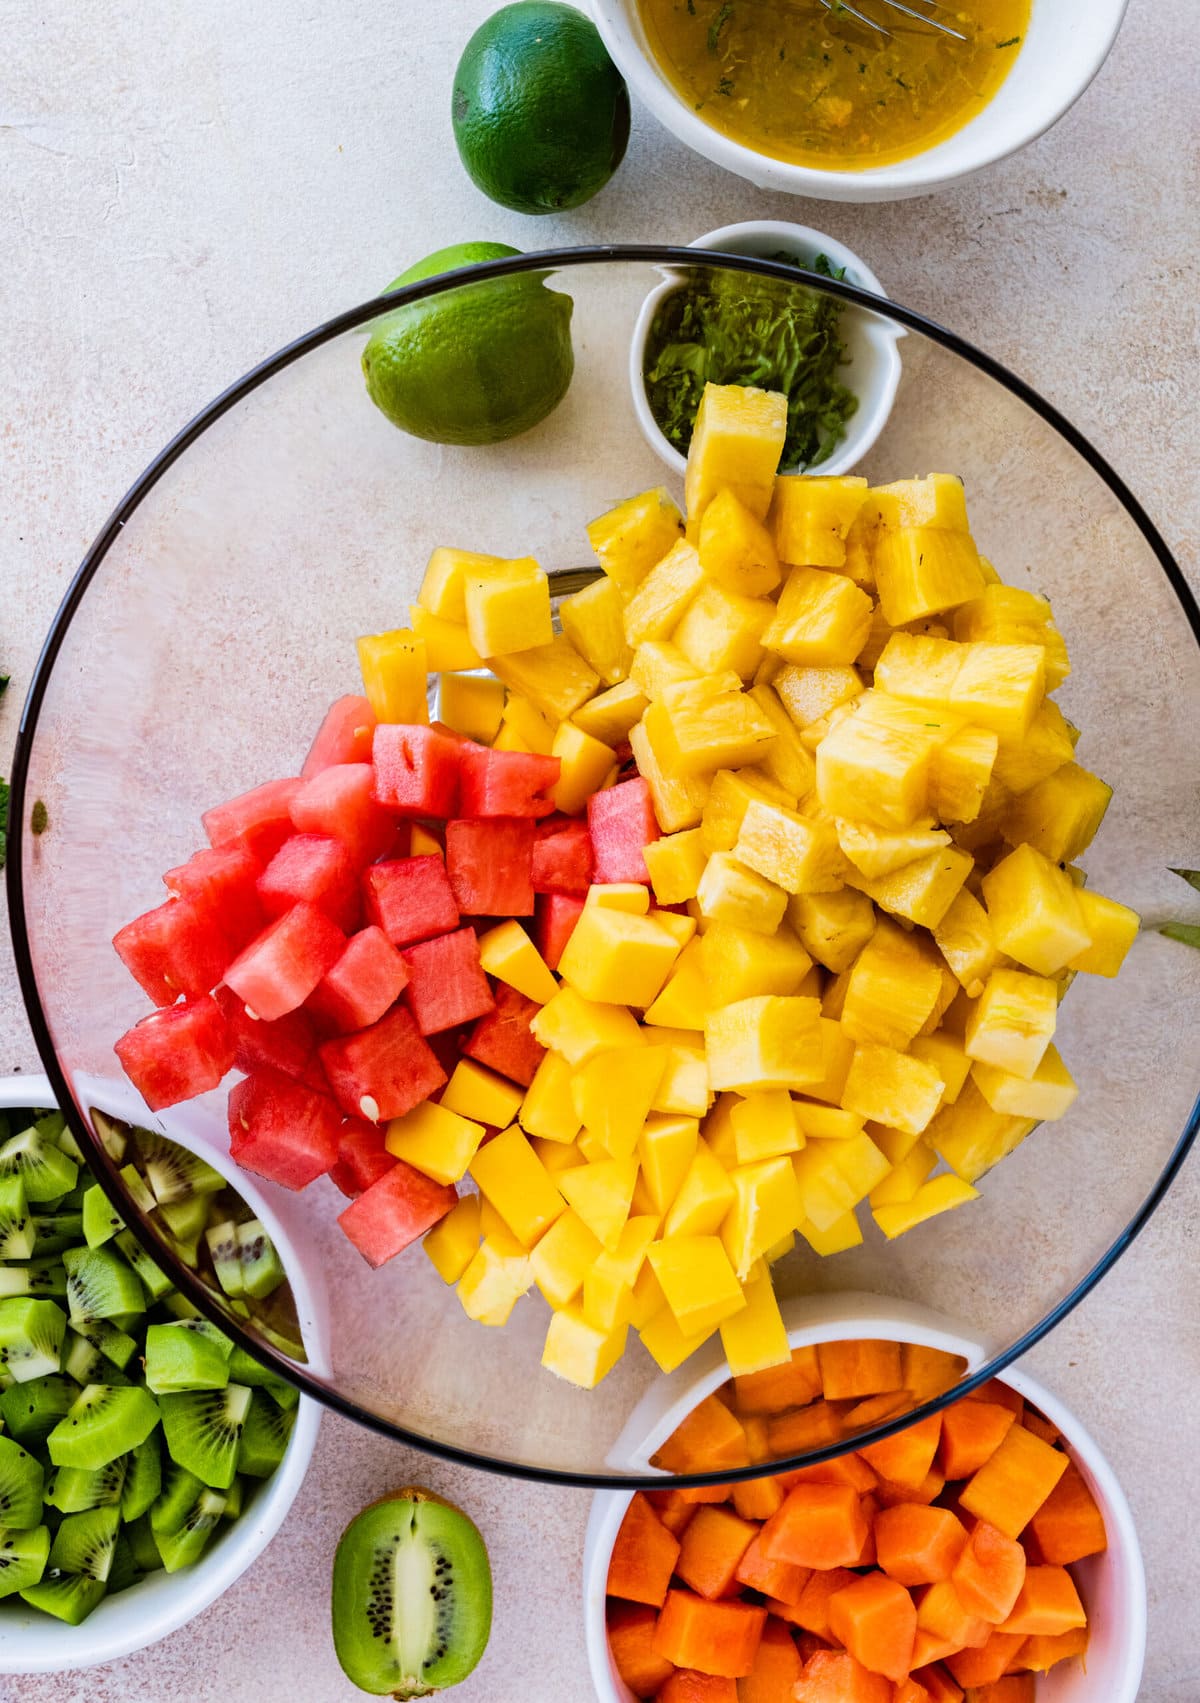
<point>114,1136</point>
<point>102,1423</point>
<point>101,1286</point>
<point>56,1231</point>
<point>245,1369</point>
<point>83,1361</point>
<point>67,1596</point>
<point>21,1483</point>
<point>45,1169</point>
<point>124,1570</point>
<point>180,1492</point>
<point>116,1345</point>
<point>154,1279</point>
<point>143,1478</point>
<point>188,1252</point>
<point>33,1277</point>
<point>186,1356</point>
<point>23,1557</point>
<point>66,1143</point>
<point>139,1194</point>
<point>181,1548</point>
<point>18,1235</point>
<point>31,1337</point>
<point>203,1428</point>
<point>142,1544</point>
<point>179,1306</point>
<point>84,1543</point>
<point>76,1489</point>
<point>225,1252</point>
<point>186,1219</point>
<point>52,1126</point>
<point>174,1174</point>
<point>412,1596</point>
<point>32,1410</point>
<point>101,1220</point>
<point>280,1340</point>
<point>235,1499</point>
<point>266,1431</point>
<point>262,1272</point>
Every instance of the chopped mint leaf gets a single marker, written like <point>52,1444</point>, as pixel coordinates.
<point>1191,876</point>
<point>723,17</point>
<point>1011,42</point>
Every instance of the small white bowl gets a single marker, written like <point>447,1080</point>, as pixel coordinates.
<point>1066,44</point>
<point>873,372</point>
<point>1112,1585</point>
<point>31,1642</point>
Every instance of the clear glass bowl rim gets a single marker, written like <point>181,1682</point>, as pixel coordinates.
<point>106,1173</point>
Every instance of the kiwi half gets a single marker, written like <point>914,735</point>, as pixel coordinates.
<point>412,1596</point>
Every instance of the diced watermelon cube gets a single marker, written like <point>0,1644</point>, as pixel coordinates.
<point>225,884</point>
<point>504,783</point>
<point>562,862</point>
<point>362,1157</point>
<point>257,820</point>
<point>410,898</point>
<point>503,1039</point>
<point>343,737</point>
<point>394,1211</point>
<point>366,981</point>
<point>174,1055</point>
<point>446,983</point>
<point>340,801</point>
<point>313,869</point>
<point>416,770</point>
<point>622,822</point>
<point>281,1130</point>
<point>278,970</point>
<point>489,865</point>
<point>288,1044</point>
<point>176,948</point>
<point>554,923</point>
<point>384,1071</point>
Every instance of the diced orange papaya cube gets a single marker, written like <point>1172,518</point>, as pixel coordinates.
<point>1012,1484</point>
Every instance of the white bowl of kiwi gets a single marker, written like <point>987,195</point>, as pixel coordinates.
<point>145,1461</point>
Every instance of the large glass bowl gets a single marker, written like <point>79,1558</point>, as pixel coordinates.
<point>214,619</point>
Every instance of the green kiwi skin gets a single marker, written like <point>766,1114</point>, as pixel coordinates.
<point>367,1658</point>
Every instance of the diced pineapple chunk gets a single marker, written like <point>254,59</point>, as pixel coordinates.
<point>578,1351</point>
<point>705,725</point>
<point>548,1109</point>
<point>1060,815</point>
<point>678,803</point>
<point>796,853</point>
<point>922,891</point>
<point>723,630</point>
<point>874,765</point>
<point>1049,1093</point>
<point>892,987</point>
<point>939,1194</point>
<point>971,1137</point>
<point>947,1057</point>
<point>736,550</point>
<point>768,1041</point>
<point>554,677</point>
<point>766,1206</point>
<point>787,760</point>
<point>471,704</point>
<point>594,621</point>
<point>394,675</point>
<point>610,715</point>
<point>1006,614</point>
<point>730,892</point>
<point>676,863</point>
<point>919,668</point>
<point>1034,910</point>
<point>755,1338</point>
<point>965,939</point>
<point>937,501</point>
<point>821,621</point>
<point>736,445</point>
<point>508,609</point>
<point>617,958</point>
<point>811,517</point>
<point>1000,687</point>
<point>451,1244</point>
<point>561,1259</point>
<point>628,896</point>
<point>601,1194</point>
<point>1013,1021</point>
<point>1113,928</point>
<point>1045,748</point>
<point>524,728</point>
<point>443,589</point>
<point>826,1197</point>
<point>921,570</point>
<point>808,694</point>
<point>961,772</point>
<point>833,927</point>
<point>665,1150</point>
<point>740,964</point>
<point>837,1052</point>
<point>764,1126</point>
<point>698,1281</point>
<point>658,664</point>
<point>586,764</point>
<point>728,800</point>
<point>632,537</point>
<point>578,1028</point>
<point>447,643</point>
<point>655,608</point>
<point>889,1087</point>
<point>877,851</point>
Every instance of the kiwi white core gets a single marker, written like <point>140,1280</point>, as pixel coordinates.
<point>415,1606</point>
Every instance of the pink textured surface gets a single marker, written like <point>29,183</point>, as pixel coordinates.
<point>185,189</point>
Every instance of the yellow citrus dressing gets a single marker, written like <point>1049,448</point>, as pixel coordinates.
<point>790,79</point>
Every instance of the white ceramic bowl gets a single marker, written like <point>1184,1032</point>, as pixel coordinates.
<point>1066,44</point>
<point>873,371</point>
<point>1112,1585</point>
<point>35,1643</point>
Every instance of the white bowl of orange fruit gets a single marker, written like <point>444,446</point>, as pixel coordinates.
<point>987,1553</point>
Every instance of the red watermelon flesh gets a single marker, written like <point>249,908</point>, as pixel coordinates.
<point>622,822</point>
<point>175,1054</point>
<point>281,1130</point>
<point>416,770</point>
<point>446,983</point>
<point>288,1044</point>
<point>503,1039</point>
<point>225,884</point>
<point>402,1205</point>
<point>554,923</point>
<point>366,981</point>
<point>562,861</point>
<point>317,870</point>
<point>489,866</point>
<point>257,820</point>
<point>362,1157</point>
<point>340,801</point>
<point>410,898</point>
<point>504,783</point>
<point>384,1071</point>
<point>277,971</point>
<point>343,737</point>
<point>177,948</point>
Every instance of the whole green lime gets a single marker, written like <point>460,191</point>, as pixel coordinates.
<point>541,113</point>
<point>476,364</point>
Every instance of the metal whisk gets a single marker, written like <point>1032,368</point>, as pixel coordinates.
<point>924,16</point>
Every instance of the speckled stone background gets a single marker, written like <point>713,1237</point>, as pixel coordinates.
<point>182,189</point>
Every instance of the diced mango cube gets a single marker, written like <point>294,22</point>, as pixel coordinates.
<point>510,1175</point>
<point>764,1126</point>
<point>736,444</point>
<point>723,629</point>
<point>666,1147</point>
<point>939,1194</point>
<point>826,1196</point>
<point>665,1343</point>
<point>577,1351</point>
<point>860,1162</point>
<point>703,1197</point>
<point>609,716</point>
<point>787,761</point>
<point>922,570</point>
<point>563,1257</point>
<point>436,1141</point>
<point>755,1337</point>
<point>1034,910</point>
<point>837,1051</point>
<point>922,891</point>
<point>601,1194</point>
<point>1112,928</point>
<point>676,863</point>
<point>766,1206</point>
<point>477,1093</point>
<point>594,621</point>
<point>656,607</point>
<point>578,1028</point>
<point>685,1001</point>
<point>705,725</point>
<point>795,852</point>
<point>971,1137</point>
<point>498,1275</point>
<point>834,1238</point>
<point>740,963</point>
<point>905,1177</point>
<point>394,675</point>
<point>613,1093</point>
<point>443,589</point>
<point>684,1087</point>
<point>825,1123</point>
<point>554,677</point>
<point>678,803</point>
<point>811,517</point>
<point>508,610</point>
<point>698,1281</point>
<point>451,1244</point>
<point>507,953</point>
<point>523,728</point>
<point>832,927</point>
<point>557,1156</point>
<point>447,643</point>
<point>471,704</point>
<point>1049,1093</point>
<point>768,1041</point>
<point>736,550</point>
<point>890,1087</point>
<point>937,501</point>
<point>658,664</point>
<point>614,957</point>
<point>586,765</point>
<point>548,1109</point>
<point>423,843</point>
<point>632,537</point>
<point>1012,1022</point>
<point>630,897</point>
<point>1060,815</point>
